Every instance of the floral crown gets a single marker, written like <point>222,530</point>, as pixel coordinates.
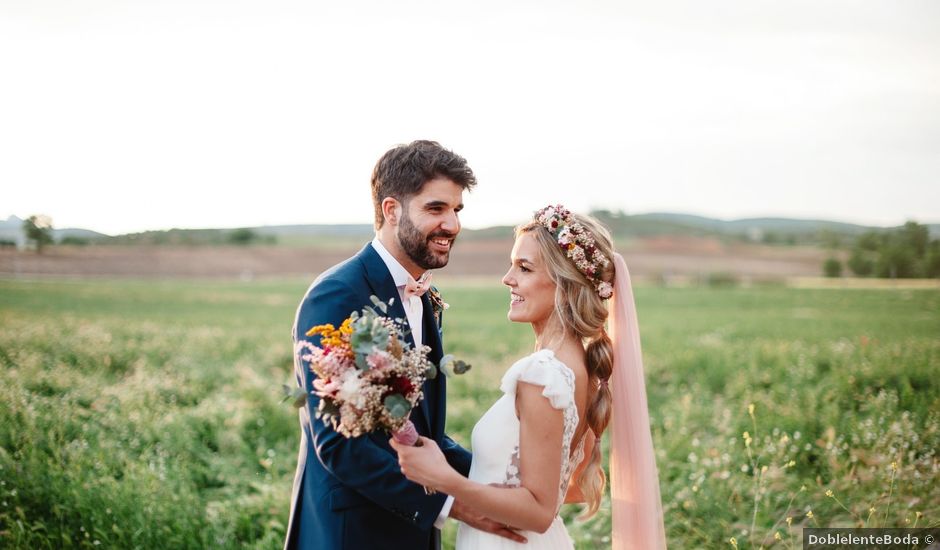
<point>578,244</point>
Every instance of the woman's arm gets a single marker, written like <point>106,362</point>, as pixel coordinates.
<point>531,506</point>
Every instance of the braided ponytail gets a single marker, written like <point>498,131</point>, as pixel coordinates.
<point>600,363</point>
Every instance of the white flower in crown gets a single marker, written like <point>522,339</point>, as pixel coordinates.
<point>576,254</point>
<point>564,236</point>
<point>605,290</point>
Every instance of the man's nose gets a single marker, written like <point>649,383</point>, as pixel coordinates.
<point>451,223</point>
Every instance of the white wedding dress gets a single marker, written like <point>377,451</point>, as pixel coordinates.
<point>495,446</point>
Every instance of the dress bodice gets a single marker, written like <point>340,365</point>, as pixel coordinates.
<point>495,438</point>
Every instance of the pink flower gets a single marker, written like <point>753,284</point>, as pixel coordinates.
<point>379,360</point>
<point>325,387</point>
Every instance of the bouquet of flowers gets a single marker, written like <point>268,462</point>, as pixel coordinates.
<point>368,376</point>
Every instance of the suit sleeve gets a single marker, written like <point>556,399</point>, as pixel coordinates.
<point>359,463</point>
<point>457,456</point>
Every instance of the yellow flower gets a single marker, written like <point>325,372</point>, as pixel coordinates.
<point>346,327</point>
<point>321,329</point>
<point>733,541</point>
<point>871,510</point>
<point>750,409</point>
<point>829,493</point>
<point>777,535</point>
<point>789,521</point>
<point>809,514</point>
<point>894,466</point>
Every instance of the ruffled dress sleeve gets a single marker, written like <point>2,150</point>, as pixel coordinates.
<point>542,369</point>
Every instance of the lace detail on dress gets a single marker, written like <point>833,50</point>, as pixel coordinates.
<point>568,462</point>
<point>512,471</point>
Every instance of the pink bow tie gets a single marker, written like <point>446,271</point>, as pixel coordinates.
<point>418,288</point>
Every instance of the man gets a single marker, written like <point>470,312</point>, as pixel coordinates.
<point>350,493</point>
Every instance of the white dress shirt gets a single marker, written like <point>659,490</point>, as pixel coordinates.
<point>414,310</point>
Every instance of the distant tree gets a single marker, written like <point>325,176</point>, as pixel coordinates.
<point>932,262</point>
<point>242,236</point>
<point>38,229</point>
<point>904,252</point>
<point>861,262</point>
<point>915,237</point>
<point>832,267</point>
<point>74,241</point>
<point>869,240</point>
<point>896,260</point>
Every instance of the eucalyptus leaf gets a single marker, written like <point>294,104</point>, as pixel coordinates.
<point>398,406</point>
<point>461,367</point>
<point>379,303</point>
<point>296,396</point>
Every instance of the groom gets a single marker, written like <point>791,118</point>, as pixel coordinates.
<point>350,493</point>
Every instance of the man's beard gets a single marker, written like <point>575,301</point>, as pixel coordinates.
<point>415,244</point>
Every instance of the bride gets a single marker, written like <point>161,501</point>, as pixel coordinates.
<point>538,446</point>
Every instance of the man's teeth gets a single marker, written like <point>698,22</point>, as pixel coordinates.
<point>516,298</point>
<point>442,242</point>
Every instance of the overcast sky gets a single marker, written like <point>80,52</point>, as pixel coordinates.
<point>132,115</point>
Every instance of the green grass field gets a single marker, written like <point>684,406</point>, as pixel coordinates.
<point>146,414</point>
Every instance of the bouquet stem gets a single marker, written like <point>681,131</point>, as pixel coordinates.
<point>408,435</point>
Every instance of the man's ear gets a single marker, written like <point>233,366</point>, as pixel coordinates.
<point>391,210</point>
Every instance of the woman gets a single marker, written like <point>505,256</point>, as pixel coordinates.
<point>557,402</point>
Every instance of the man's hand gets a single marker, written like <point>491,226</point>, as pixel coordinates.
<point>469,516</point>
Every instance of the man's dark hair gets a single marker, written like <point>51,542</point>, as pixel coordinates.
<point>404,169</point>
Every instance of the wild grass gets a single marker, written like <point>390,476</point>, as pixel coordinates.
<point>145,414</point>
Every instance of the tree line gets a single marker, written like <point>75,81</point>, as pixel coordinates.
<point>900,253</point>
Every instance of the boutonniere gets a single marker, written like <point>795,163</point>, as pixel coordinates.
<point>437,304</point>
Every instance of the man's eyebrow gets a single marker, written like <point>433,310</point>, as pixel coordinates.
<point>441,204</point>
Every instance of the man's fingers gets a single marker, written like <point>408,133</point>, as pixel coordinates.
<point>508,533</point>
<point>501,530</point>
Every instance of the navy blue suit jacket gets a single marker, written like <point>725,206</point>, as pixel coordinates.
<point>350,493</point>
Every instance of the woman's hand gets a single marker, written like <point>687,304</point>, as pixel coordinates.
<point>425,464</point>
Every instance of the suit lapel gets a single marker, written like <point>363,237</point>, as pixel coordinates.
<point>383,287</point>
<point>435,389</point>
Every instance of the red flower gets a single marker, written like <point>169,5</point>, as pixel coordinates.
<point>399,385</point>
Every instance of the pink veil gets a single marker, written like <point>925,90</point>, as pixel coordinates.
<point>636,507</point>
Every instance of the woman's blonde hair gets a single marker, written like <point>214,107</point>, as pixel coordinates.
<point>580,311</point>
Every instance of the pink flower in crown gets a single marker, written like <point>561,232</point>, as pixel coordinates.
<point>605,290</point>
<point>576,254</point>
<point>564,236</point>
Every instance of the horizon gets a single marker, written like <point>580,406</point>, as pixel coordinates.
<point>57,226</point>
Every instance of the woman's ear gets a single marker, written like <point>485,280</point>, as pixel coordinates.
<point>391,210</point>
